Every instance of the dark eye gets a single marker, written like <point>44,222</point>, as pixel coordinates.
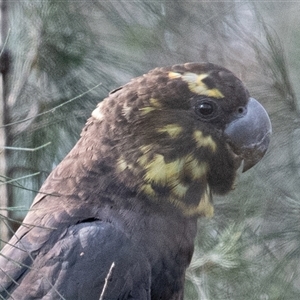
<point>206,109</point>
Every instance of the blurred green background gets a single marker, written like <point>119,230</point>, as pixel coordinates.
<point>60,58</point>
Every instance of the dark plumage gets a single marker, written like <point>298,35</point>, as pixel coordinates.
<point>124,202</point>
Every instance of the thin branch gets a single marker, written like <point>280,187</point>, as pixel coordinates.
<point>25,149</point>
<point>106,280</point>
<point>23,177</point>
<point>5,42</point>
<point>54,108</point>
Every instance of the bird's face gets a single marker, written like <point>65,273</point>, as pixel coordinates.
<point>223,104</point>
<point>188,128</point>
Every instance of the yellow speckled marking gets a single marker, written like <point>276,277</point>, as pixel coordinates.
<point>121,164</point>
<point>172,129</point>
<point>97,114</point>
<point>194,78</point>
<point>144,158</point>
<point>169,174</point>
<point>148,190</point>
<point>145,148</point>
<point>204,208</point>
<point>215,93</point>
<point>147,109</point>
<point>179,190</point>
<point>159,172</point>
<point>194,168</point>
<point>173,75</point>
<point>155,170</point>
<point>196,85</point>
<point>154,104</point>
<point>204,141</point>
<point>126,110</point>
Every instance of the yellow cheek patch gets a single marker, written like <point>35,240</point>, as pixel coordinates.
<point>194,168</point>
<point>204,141</point>
<point>196,84</point>
<point>179,190</point>
<point>172,129</point>
<point>170,174</point>
<point>157,171</point>
<point>204,208</point>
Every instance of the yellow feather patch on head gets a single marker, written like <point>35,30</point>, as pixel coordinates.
<point>204,141</point>
<point>197,86</point>
<point>194,78</point>
<point>172,129</point>
<point>195,83</point>
<point>215,93</point>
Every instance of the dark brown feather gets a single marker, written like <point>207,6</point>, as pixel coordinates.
<point>130,191</point>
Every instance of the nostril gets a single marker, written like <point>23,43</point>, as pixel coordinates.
<point>241,110</point>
